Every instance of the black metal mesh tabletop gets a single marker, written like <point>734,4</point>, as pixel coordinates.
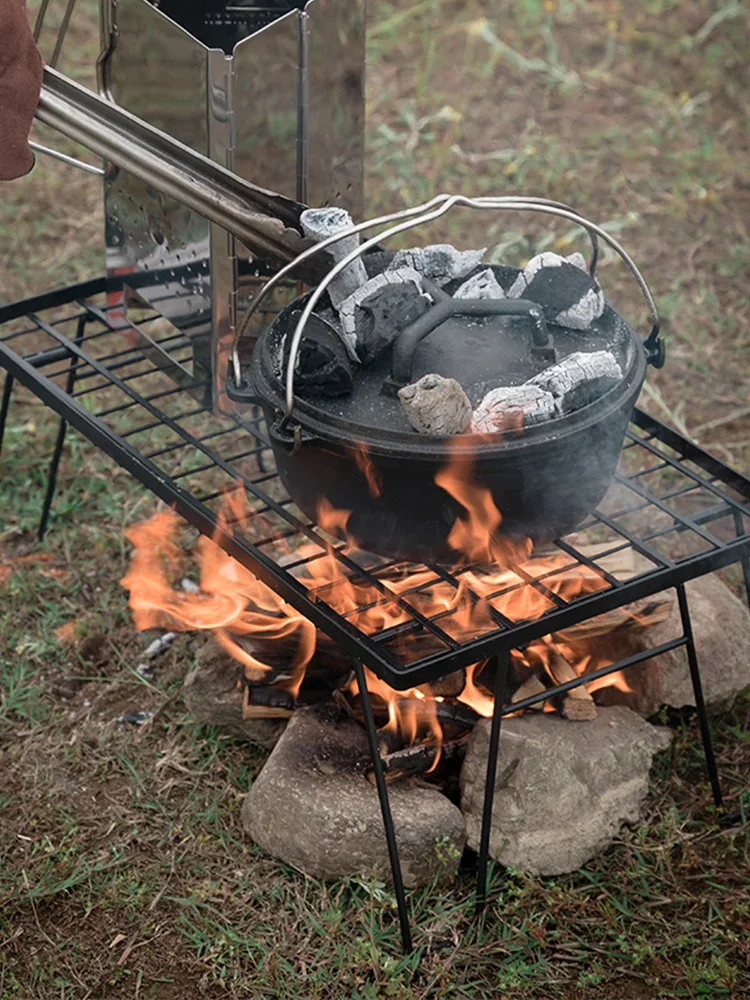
<point>134,393</point>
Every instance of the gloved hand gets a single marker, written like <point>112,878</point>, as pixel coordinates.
<point>20,85</point>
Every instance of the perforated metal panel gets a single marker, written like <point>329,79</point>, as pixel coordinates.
<point>273,91</point>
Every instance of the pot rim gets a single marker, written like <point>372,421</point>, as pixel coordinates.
<point>412,444</point>
<point>325,426</point>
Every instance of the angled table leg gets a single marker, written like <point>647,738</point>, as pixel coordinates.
<point>385,807</point>
<point>501,680</point>
<point>695,677</point>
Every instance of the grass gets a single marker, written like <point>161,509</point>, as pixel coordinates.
<point>125,872</point>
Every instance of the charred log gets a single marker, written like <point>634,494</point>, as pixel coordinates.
<point>416,759</point>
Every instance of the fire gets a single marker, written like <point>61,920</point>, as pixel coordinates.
<point>495,578</point>
<point>475,536</point>
<point>366,466</point>
<point>412,716</point>
<point>232,603</point>
<point>472,696</point>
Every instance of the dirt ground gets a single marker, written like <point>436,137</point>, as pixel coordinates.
<point>125,872</point>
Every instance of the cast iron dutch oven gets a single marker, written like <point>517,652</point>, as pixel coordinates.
<point>358,453</point>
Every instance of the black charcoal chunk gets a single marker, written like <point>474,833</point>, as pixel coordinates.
<point>320,223</point>
<point>375,314</point>
<point>568,295</point>
<point>436,406</point>
<point>513,407</point>
<point>440,263</point>
<point>323,367</point>
<point>483,285</point>
<point>579,379</point>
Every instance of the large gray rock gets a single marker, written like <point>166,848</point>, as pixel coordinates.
<point>563,789</point>
<point>721,627</point>
<point>311,808</point>
<point>214,696</point>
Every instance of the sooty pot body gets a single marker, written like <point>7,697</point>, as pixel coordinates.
<point>542,491</point>
<point>544,481</point>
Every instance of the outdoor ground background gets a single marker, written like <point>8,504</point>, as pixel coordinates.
<point>124,871</point>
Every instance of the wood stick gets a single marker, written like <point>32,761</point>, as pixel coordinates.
<point>446,712</point>
<point>266,712</point>
<point>268,696</point>
<point>531,686</point>
<point>416,759</point>
<point>577,704</point>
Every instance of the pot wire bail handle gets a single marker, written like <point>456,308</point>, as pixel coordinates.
<point>362,227</point>
<point>652,344</point>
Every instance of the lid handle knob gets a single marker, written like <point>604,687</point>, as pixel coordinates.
<point>405,346</point>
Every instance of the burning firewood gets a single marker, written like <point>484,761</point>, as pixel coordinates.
<point>269,696</point>
<point>415,759</point>
<point>449,686</point>
<point>577,704</point>
<point>266,712</point>
<point>437,406</point>
<point>634,617</point>
<point>446,712</point>
<point>530,687</point>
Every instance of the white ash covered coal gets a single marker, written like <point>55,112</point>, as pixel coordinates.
<point>513,407</point>
<point>440,262</point>
<point>320,223</point>
<point>368,314</point>
<point>483,285</point>
<point>579,379</point>
<point>373,316</point>
<point>437,406</point>
<point>562,287</point>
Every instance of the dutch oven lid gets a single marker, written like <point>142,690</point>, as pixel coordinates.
<point>483,344</point>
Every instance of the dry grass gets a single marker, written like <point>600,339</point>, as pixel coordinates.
<point>124,871</point>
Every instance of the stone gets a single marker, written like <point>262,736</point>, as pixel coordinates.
<point>483,285</point>
<point>214,696</point>
<point>313,809</point>
<point>436,406</point>
<point>563,789</point>
<point>721,627</point>
<point>568,295</point>
<point>513,407</point>
<point>320,223</point>
<point>440,262</point>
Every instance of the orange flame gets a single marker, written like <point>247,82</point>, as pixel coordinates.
<point>245,615</point>
<point>366,466</point>
<point>475,537</point>
<point>231,603</point>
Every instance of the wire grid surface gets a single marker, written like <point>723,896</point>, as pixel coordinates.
<point>672,513</point>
